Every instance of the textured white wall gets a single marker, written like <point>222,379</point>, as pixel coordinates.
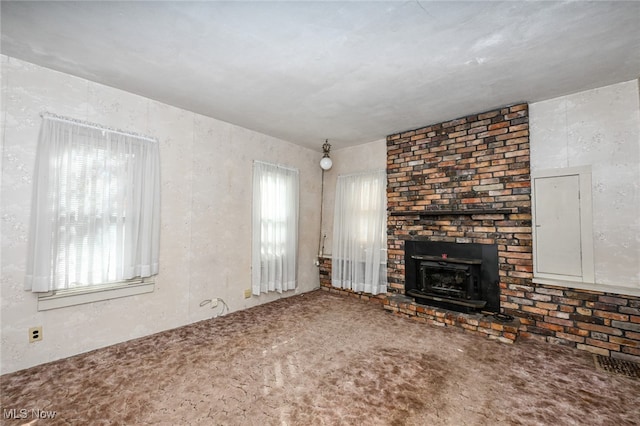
<point>600,128</point>
<point>206,214</point>
<point>370,156</point>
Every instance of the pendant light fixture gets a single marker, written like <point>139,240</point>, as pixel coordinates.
<point>326,162</point>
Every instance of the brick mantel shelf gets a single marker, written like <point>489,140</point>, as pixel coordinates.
<point>467,212</point>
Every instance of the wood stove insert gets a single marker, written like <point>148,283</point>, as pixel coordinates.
<point>462,277</point>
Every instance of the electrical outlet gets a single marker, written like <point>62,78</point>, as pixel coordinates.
<point>35,334</point>
<point>247,294</point>
<point>214,302</point>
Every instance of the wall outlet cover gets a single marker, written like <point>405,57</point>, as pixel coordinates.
<point>35,334</point>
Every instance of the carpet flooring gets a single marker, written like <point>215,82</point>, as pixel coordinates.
<point>321,359</point>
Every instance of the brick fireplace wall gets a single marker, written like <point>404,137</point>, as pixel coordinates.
<point>464,181</point>
<point>468,181</point>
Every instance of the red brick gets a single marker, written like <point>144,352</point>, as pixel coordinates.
<point>524,267</point>
<point>510,336</point>
<point>516,172</point>
<point>600,328</point>
<point>593,349</point>
<point>632,351</point>
<point>613,300</point>
<point>606,345</point>
<point>535,310</point>
<point>516,114</point>
<point>632,335</point>
<point>584,311</point>
<point>486,115</point>
<point>558,314</point>
<point>514,229</point>
<point>559,321</point>
<point>549,291</point>
<point>548,326</point>
<point>549,306</point>
<point>567,301</point>
<point>576,331</point>
<point>570,337</point>
<point>626,342</point>
<point>519,107</point>
<point>518,127</point>
<point>611,315</point>
<point>499,125</point>
<point>525,321</point>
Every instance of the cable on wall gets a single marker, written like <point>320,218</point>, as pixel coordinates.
<point>215,303</point>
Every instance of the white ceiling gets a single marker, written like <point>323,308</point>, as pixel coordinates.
<point>349,71</point>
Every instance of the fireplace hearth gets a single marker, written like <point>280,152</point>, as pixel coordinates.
<point>461,277</point>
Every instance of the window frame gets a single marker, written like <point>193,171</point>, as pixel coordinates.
<point>358,190</point>
<point>88,293</point>
<point>287,219</point>
<point>94,293</point>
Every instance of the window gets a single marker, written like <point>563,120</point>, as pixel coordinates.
<point>359,260</point>
<point>275,228</point>
<point>95,213</point>
<point>562,227</point>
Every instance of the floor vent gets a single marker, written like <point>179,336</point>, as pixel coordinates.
<point>618,366</point>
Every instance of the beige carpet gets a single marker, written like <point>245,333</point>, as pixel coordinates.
<point>323,359</point>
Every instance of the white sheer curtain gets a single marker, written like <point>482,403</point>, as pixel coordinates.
<point>275,228</point>
<point>359,255</point>
<point>95,215</point>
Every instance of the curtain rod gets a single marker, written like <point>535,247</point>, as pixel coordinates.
<point>364,172</point>
<point>50,116</point>
<point>280,166</point>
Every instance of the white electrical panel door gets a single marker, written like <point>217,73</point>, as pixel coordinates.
<point>558,249</point>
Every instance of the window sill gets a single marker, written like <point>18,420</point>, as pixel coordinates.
<point>605,288</point>
<point>79,297</point>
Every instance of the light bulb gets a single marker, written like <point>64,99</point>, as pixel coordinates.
<point>326,163</point>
